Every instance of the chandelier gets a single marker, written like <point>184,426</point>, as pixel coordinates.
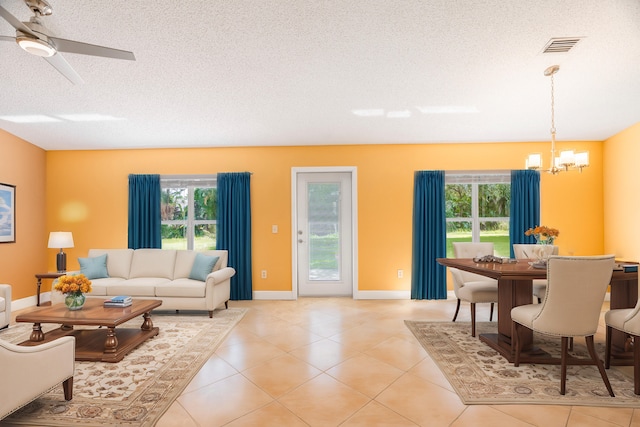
<point>567,160</point>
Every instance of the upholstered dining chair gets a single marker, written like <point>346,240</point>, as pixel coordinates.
<point>471,287</point>
<point>531,251</point>
<point>576,287</point>
<point>626,320</point>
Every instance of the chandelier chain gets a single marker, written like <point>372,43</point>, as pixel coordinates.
<point>568,159</point>
<point>553,111</point>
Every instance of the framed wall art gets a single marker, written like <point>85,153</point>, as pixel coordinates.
<point>7,213</point>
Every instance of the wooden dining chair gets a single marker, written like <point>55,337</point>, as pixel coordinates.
<point>576,288</point>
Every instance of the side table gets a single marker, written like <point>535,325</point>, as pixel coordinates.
<point>41,276</point>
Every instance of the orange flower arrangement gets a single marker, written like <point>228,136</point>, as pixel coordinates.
<point>544,235</point>
<point>74,284</point>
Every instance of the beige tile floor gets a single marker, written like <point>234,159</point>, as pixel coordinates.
<point>343,362</point>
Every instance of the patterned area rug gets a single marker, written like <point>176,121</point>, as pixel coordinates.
<point>139,389</point>
<point>480,375</point>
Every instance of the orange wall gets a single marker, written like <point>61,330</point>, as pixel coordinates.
<point>622,194</point>
<point>23,165</point>
<point>87,194</point>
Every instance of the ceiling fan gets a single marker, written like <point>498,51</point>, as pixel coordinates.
<point>36,39</point>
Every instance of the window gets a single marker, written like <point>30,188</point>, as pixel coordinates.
<point>477,209</point>
<point>188,209</point>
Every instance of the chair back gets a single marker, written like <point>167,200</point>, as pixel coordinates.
<point>576,287</point>
<point>632,320</point>
<point>469,250</point>
<point>532,250</point>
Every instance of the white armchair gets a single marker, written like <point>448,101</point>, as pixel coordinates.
<point>30,371</point>
<point>473,287</point>
<point>5,305</point>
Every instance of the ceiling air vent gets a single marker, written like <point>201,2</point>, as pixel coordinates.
<point>562,45</point>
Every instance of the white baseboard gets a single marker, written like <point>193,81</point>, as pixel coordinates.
<point>289,295</point>
<point>383,295</point>
<point>273,295</point>
<point>19,304</point>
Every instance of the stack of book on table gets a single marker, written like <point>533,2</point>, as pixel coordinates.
<point>119,301</point>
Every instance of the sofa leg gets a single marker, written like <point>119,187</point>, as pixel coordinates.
<point>67,387</point>
<point>177,311</point>
<point>210,314</point>
<point>226,304</point>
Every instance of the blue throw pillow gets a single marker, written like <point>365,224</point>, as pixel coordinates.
<point>202,266</point>
<point>94,268</point>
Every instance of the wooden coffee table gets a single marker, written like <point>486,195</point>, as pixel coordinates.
<point>100,344</point>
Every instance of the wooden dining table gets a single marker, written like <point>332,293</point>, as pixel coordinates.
<point>515,287</point>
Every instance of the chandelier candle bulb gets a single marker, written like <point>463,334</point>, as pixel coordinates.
<point>567,158</point>
<point>582,159</point>
<point>534,161</point>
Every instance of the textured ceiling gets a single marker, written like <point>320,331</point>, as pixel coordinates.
<point>285,72</point>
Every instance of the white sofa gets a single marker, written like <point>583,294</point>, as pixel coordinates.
<point>27,373</point>
<point>167,275</point>
<point>5,305</point>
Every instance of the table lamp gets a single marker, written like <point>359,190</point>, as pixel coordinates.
<point>61,239</point>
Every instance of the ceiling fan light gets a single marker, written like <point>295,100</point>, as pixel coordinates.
<point>35,46</point>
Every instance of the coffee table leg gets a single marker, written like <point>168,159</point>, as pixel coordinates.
<point>147,325</point>
<point>111,343</point>
<point>38,286</point>
<point>36,333</point>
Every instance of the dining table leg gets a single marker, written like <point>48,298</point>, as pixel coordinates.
<point>511,293</point>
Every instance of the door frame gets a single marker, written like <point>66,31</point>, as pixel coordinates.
<point>353,171</point>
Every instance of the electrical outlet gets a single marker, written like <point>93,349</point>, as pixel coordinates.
<point>400,274</point>
<point>274,229</point>
<point>263,274</point>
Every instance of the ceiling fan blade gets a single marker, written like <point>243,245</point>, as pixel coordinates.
<point>60,64</point>
<point>15,23</point>
<point>71,46</point>
<point>7,39</point>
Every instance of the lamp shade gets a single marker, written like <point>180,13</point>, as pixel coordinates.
<point>60,239</point>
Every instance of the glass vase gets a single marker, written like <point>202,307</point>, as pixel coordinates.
<point>542,252</point>
<point>74,301</point>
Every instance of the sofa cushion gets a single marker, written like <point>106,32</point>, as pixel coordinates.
<point>202,266</point>
<point>99,286</point>
<point>222,255</point>
<point>138,287</point>
<point>184,263</point>
<point>183,288</point>
<point>153,263</point>
<point>94,268</point>
<point>3,305</point>
<point>118,261</point>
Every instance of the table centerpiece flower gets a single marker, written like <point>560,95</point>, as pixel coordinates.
<point>74,287</point>
<point>544,235</point>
